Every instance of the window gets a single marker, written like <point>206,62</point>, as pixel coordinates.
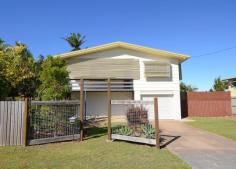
<point>157,69</point>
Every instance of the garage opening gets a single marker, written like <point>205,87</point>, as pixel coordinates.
<point>165,105</point>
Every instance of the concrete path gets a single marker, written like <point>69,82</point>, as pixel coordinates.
<point>200,149</point>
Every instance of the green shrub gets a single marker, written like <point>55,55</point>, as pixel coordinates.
<point>148,131</point>
<point>123,130</point>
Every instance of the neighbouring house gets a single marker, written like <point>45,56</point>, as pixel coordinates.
<point>136,72</point>
<point>232,85</point>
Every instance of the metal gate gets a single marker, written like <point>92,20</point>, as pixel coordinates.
<point>53,121</point>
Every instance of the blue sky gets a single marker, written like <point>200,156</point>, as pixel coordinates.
<point>185,26</point>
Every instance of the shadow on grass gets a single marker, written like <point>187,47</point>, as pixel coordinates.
<point>95,132</point>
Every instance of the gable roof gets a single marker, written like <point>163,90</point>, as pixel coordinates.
<point>124,45</point>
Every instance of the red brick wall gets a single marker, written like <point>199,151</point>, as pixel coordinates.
<point>208,104</point>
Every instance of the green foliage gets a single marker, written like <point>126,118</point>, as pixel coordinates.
<point>4,86</point>
<point>17,69</point>
<point>54,79</point>
<point>219,85</point>
<point>3,45</point>
<point>52,121</point>
<point>148,131</point>
<point>187,88</point>
<point>22,75</point>
<point>123,130</point>
<point>75,40</point>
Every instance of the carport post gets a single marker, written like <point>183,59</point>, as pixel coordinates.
<point>157,131</point>
<point>109,108</point>
<point>81,108</point>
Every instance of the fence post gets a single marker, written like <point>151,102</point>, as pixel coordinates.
<point>157,131</point>
<point>25,125</point>
<point>109,107</point>
<point>81,109</point>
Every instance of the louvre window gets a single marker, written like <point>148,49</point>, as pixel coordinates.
<point>157,69</point>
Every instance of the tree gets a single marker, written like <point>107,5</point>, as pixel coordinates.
<point>187,88</point>
<point>22,75</point>
<point>54,79</point>
<point>75,40</point>
<point>219,85</point>
<point>4,85</point>
<point>18,68</point>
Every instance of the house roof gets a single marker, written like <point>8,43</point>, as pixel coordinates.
<point>230,78</point>
<point>138,48</point>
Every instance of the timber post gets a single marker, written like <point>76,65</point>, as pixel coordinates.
<point>26,121</point>
<point>157,131</point>
<point>109,107</point>
<point>81,109</point>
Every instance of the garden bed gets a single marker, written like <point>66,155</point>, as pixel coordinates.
<point>133,139</point>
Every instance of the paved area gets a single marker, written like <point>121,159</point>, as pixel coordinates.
<point>200,149</point>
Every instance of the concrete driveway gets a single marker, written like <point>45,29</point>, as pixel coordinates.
<point>200,149</point>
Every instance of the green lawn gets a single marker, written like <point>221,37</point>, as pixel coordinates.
<point>94,152</point>
<point>220,126</point>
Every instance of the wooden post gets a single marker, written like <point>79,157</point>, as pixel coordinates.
<point>81,109</point>
<point>156,123</point>
<point>109,107</point>
<point>26,122</point>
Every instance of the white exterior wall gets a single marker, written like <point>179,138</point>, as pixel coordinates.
<point>96,102</point>
<point>232,91</point>
<point>142,87</point>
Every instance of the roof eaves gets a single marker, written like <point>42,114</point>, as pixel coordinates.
<point>129,46</point>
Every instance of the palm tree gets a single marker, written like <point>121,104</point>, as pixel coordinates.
<point>75,40</point>
<point>219,85</point>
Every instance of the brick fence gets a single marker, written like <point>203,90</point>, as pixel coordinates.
<point>206,104</point>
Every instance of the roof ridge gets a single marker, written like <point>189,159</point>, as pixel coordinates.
<point>130,46</point>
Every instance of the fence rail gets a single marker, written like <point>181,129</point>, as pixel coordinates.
<point>11,123</point>
<point>128,102</point>
<point>68,102</point>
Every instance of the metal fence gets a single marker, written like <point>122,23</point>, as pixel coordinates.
<point>135,121</point>
<point>53,121</point>
<point>11,123</point>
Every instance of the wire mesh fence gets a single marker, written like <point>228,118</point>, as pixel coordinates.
<point>52,121</point>
<point>133,121</point>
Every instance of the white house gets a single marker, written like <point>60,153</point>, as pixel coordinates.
<point>137,72</point>
<point>231,86</point>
